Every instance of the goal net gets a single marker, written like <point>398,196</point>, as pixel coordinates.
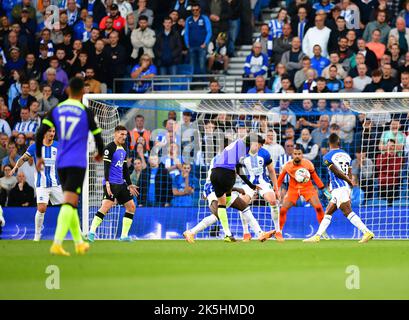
<point>193,128</point>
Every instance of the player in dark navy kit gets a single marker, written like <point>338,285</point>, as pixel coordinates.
<point>117,185</point>
<point>72,121</point>
<point>223,176</point>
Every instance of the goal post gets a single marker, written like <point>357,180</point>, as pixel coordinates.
<point>247,113</point>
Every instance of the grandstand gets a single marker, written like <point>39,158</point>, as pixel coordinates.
<point>215,47</point>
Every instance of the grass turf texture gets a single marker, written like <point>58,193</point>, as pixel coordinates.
<point>207,270</point>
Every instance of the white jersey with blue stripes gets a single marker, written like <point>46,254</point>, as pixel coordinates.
<point>256,166</point>
<point>48,177</point>
<point>341,160</point>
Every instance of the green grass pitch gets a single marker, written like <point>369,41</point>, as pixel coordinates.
<point>207,270</point>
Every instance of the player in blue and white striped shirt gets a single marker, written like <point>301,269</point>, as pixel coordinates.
<point>339,167</point>
<point>48,185</point>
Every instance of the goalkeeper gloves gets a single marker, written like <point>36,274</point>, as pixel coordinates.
<point>327,194</point>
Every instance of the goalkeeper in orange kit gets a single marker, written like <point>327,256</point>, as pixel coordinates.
<point>297,189</point>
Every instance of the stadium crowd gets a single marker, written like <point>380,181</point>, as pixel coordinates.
<point>312,46</point>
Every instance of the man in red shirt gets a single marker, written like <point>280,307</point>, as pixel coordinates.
<point>389,166</point>
<point>119,22</point>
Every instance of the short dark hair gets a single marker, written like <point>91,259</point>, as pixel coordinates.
<point>120,127</point>
<point>298,146</point>
<point>76,85</point>
<point>334,139</point>
<point>143,17</point>
<point>322,79</point>
<point>167,18</point>
<point>253,137</point>
<point>139,116</point>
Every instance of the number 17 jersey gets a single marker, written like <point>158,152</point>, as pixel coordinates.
<point>340,159</point>
<point>72,122</point>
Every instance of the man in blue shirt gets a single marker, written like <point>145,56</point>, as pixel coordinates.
<point>260,86</point>
<point>145,70</point>
<point>198,33</point>
<point>318,62</point>
<point>183,188</point>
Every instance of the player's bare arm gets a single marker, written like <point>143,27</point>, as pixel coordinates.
<point>273,178</point>
<point>340,174</point>
<point>19,163</point>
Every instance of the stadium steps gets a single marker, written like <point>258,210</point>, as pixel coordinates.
<point>237,63</point>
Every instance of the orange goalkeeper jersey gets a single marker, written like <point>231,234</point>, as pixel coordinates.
<point>290,168</point>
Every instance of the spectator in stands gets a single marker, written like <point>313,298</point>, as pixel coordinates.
<point>282,109</point>
<point>396,57</point>
<point>310,149</point>
<point>405,63</point>
<point>217,55</point>
<point>115,59</point>
<point>277,25</point>
<point>34,112</point>
<point>394,134</point>
<point>260,86</point>
<point>363,167</point>
<point>48,101</point>
<point>25,125</point>
<point>346,121</point>
<point>340,31</point>
<point>334,61</point>
<point>388,82</point>
<point>144,11</point>
<point>12,156</point>
<point>7,182</point>
<point>361,80</point>
<point>22,195</point>
<point>376,45</point>
<point>293,58</point>
<point>301,23</point>
<point>219,15</point>
<point>95,8</point>
<point>371,60</point>
<point>143,39</point>
<point>256,65</point>
<point>404,82</point>
<point>143,73</point>
<point>318,62</point>
<point>34,89</point>
<point>118,21</point>
<point>140,132</point>
<point>168,49</point>
<point>5,114</point>
<point>301,75</point>
<point>23,100</point>
<point>389,165</point>
<point>282,160</point>
<point>94,85</point>
<point>333,83</point>
<point>72,12</point>
<point>15,62</point>
<point>155,184</point>
<point>275,81</point>
<point>266,40</point>
<point>271,145</point>
<point>401,32</point>
<point>4,125</point>
<point>286,85</point>
<point>379,24</point>
<point>310,83</point>
<point>198,33</point>
<point>61,75</point>
<point>4,139</point>
<point>57,87</point>
<point>31,69</point>
<point>321,133</point>
<point>349,85</point>
<point>321,86</point>
<point>281,44</point>
<point>137,171</point>
<point>376,82</point>
<point>183,187</point>
<point>214,86</point>
<point>24,6</point>
<point>316,35</point>
<point>307,117</point>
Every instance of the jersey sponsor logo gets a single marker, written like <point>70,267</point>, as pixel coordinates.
<point>119,163</point>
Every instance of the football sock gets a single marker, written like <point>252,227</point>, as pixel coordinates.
<point>98,218</point>
<point>39,220</point>
<point>205,223</point>
<point>283,217</point>
<point>126,224</point>
<point>252,221</point>
<point>76,228</point>
<point>324,224</point>
<point>275,215</point>
<point>244,222</point>
<point>63,222</point>
<point>222,213</point>
<point>320,213</point>
<point>357,222</point>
